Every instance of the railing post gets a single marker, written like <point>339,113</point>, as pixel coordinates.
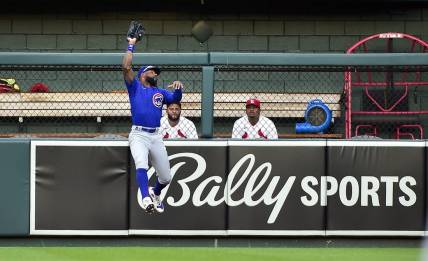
<point>207,110</point>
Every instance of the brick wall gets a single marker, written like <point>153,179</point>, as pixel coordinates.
<point>170,32</point>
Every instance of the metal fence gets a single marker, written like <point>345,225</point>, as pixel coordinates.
<point>387,102</point>
<point>283,91</point>
<point>81,99</point>
<point>364,95</point>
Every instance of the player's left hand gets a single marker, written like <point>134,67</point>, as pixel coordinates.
<point>176,85</point>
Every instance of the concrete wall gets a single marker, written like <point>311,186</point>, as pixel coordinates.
<point>171,31</point>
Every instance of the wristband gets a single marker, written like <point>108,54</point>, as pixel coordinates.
<point>131,48</point>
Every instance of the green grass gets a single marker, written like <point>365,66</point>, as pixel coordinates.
<point>205,253</point>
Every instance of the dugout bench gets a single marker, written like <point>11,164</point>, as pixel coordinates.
<point>116,104</point>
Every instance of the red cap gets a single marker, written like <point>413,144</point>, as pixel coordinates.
<point>254,102</point>
<point>39,87</point>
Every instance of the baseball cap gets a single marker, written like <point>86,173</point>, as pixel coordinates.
<point>255,102</point>
<point>145,68</point>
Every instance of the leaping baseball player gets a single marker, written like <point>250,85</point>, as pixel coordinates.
<point>146,101</point>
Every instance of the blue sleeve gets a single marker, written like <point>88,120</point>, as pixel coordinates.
<point>172,96</point>
<point>131,86</point>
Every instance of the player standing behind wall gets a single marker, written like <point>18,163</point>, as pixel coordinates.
<point>254,126</point>
<point>175,126</point>
<point>144,139</point>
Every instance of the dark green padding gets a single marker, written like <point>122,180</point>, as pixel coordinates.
<point>14,187</point>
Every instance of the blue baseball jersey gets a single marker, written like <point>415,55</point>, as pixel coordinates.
<point>147,102</point>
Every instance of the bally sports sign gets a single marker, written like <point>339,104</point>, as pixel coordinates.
<point>242,188</point>
<point>211,191</point>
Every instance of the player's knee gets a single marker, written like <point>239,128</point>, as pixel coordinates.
<point>164,180</point>
<point>141,164</point>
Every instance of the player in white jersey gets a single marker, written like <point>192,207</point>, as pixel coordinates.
<point>175,126</point>
<point>253,125</point>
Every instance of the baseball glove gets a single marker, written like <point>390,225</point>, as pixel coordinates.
<point>136,30</point>
<point>8,85</point>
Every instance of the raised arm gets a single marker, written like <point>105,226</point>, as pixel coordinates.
<point>176,95</point>
<point>128,74</point>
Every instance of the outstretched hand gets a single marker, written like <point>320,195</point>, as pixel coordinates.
<point>176,85</point>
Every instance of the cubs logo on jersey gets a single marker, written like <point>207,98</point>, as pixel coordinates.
<point>157,99</point>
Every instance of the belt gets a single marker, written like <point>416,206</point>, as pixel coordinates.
<point>146,129</point>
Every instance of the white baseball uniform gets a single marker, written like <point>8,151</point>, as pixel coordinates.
<point>143,144</point>
<point>264,129</point>
<point>185,129</point>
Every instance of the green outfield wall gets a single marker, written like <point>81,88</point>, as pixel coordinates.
<point>14,187</point>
